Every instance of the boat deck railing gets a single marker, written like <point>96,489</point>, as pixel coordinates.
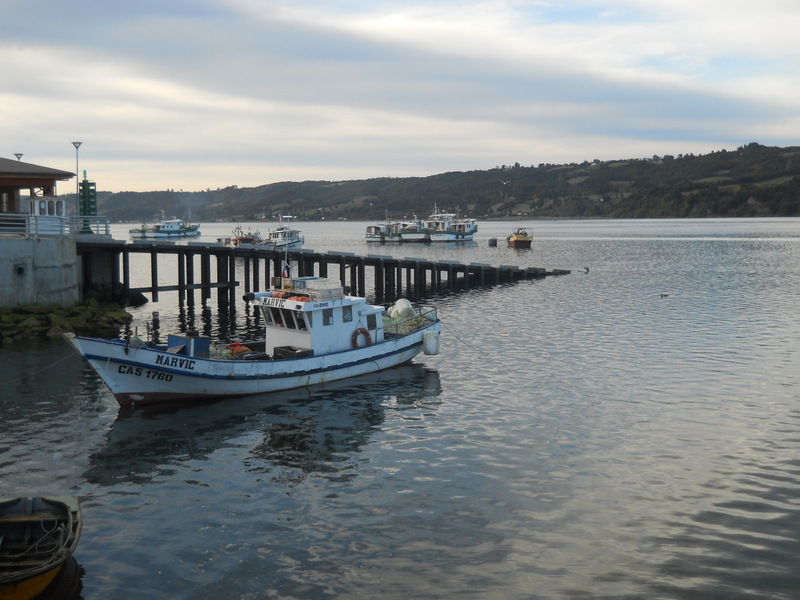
<point>393,328</point>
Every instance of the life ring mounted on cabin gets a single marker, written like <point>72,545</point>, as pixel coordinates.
<point>359,332</point>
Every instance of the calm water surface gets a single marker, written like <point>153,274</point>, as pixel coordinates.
<point>630,432</point>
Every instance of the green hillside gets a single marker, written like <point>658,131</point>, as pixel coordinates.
<point>752,180</point>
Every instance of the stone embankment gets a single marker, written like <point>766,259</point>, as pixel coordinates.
<point>34,321</point>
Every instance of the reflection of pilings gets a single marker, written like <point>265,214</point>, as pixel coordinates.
<point>181,276</point>
<point>205,274</point>
<point>388,277</point>
<point>189,278</point>
<point>154,275</point>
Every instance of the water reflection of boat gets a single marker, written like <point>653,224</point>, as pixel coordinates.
<point>37,538</point>
<point>309,429</point>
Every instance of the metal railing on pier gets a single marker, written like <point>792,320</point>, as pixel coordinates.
<point>26,225</point>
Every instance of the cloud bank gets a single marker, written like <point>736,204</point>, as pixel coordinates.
<point>206,94</point>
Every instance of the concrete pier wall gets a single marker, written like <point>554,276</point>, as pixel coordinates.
<point>40,270</point>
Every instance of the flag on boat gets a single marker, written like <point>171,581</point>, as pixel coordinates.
<point>285,273</point>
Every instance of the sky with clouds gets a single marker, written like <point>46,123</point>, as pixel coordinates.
<point>196,94</point>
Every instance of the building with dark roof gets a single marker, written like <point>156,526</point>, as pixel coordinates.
<point>37,237</point>
<point>22,182</point>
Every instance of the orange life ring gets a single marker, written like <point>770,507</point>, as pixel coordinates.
<point>365,333</point>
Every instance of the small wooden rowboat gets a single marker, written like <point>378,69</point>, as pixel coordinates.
<point>37,537</point>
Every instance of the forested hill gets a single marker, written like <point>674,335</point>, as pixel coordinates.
<point>752,180</point>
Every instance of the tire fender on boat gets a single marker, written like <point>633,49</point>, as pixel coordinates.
<point>367,337</point>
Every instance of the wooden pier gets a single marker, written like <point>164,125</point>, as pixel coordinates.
<point>203,267</point>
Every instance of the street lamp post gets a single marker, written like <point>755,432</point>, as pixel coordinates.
<point>77,180</point>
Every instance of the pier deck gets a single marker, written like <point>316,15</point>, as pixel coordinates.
<point>107,263</point>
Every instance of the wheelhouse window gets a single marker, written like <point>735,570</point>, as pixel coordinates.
<point>282,317</point>
<point>273,316</point>
<point>327,316</point>
<point>372,322</point>
<point>347,313</point>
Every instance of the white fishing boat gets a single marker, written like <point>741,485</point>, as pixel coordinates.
<point>376,233</point>
<point>450,227</point>
<point>388,231</point>
<point>166,228</point>
<point>242,237</point>
<point>439,227</point>
<point>414,231</point>
<point>314,333</point>
<point>282,238</point>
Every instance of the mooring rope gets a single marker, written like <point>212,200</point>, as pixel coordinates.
<point>88,417</point>
<point>50,366</point>
<point>483,352</point>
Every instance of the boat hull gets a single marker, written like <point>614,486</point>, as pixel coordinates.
<point>417,236</point>
<point>451,236</point>
<point>138,376</point>
<point>267,244</point>
<point>264,244</point>
<point>152,235</point>
<point>292,245</point>
<point>30,588</point>
<point>519,243</point>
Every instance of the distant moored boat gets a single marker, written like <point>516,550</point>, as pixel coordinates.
<point>520,239</point>
<point>166,228</point>
<point>439,227</point>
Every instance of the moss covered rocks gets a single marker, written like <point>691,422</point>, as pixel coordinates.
<point>35,321</point>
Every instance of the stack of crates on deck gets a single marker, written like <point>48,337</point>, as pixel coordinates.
<point>319,289</point>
